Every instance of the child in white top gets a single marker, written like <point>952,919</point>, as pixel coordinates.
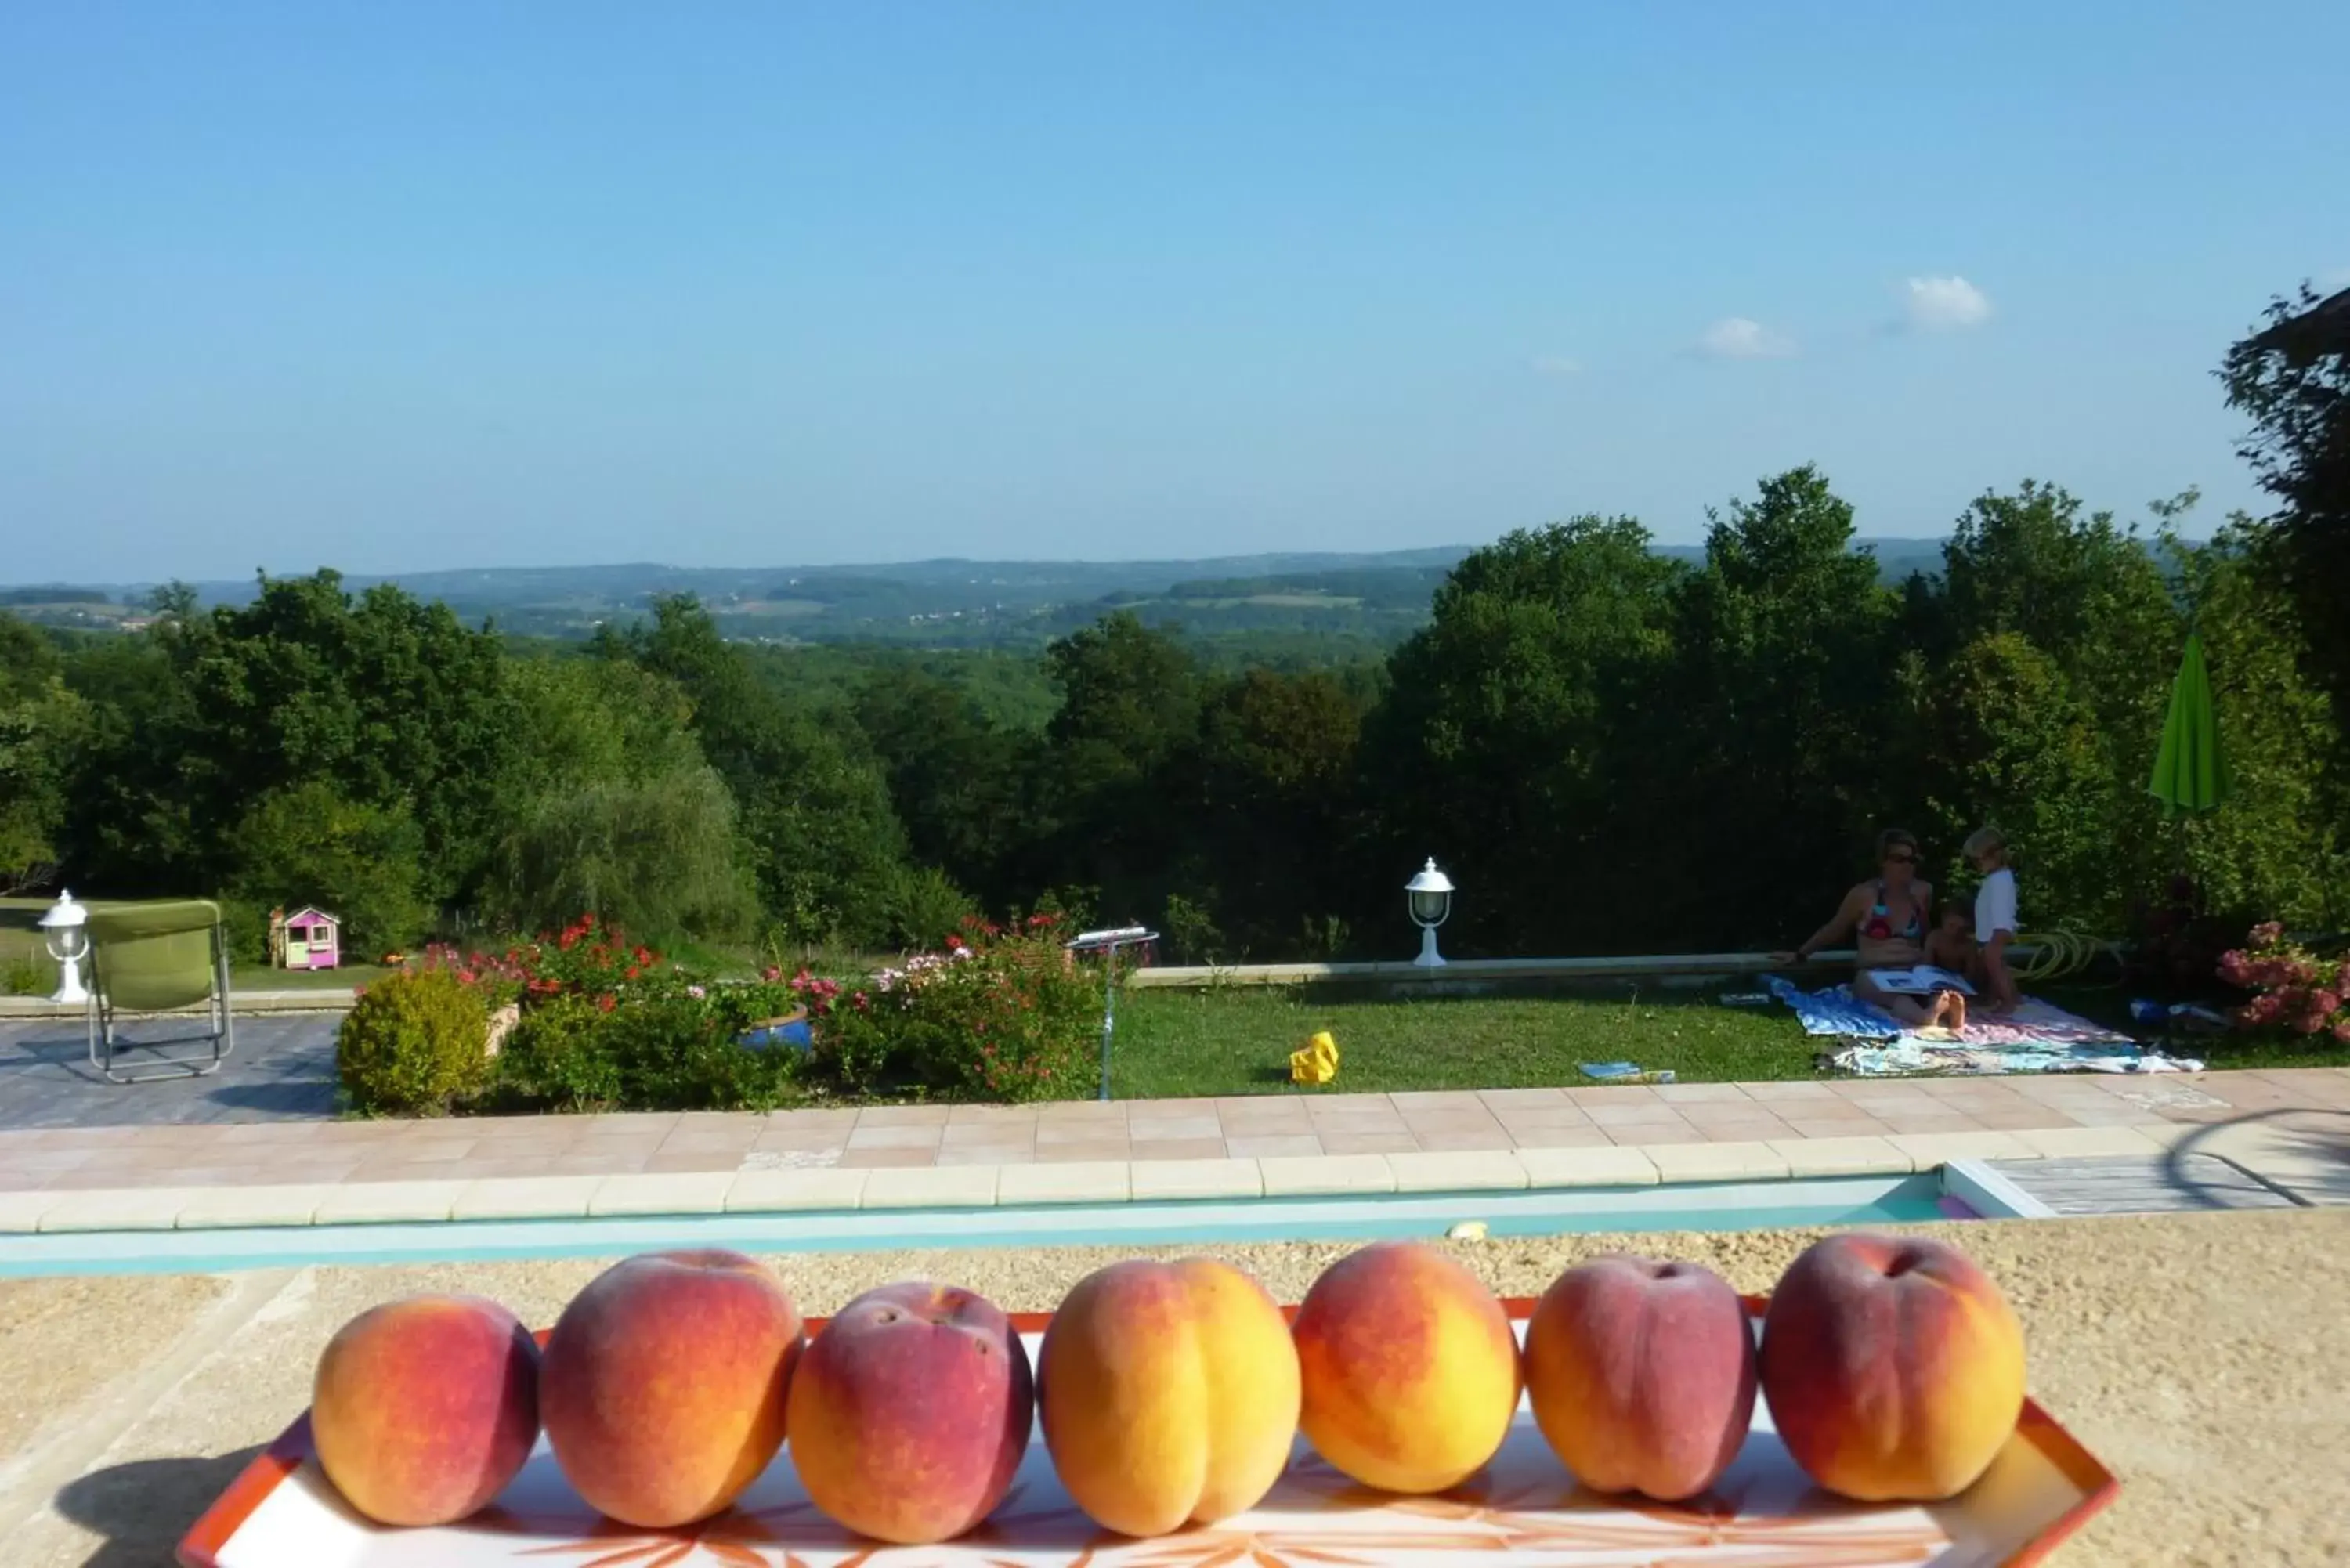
<point>1995,915</point>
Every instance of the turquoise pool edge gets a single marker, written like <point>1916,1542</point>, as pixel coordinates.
<point>1956,1190</point>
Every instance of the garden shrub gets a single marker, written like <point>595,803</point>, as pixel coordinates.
<point>997,1016</point>
<point>554,1060</point>
<point>413,1043</point>
<point>2294,989</point>
<point>679,1052</point>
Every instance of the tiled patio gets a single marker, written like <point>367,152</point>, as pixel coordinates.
<point>1984,1117</point>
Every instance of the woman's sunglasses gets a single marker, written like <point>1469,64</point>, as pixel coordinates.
<point>1901,858</point>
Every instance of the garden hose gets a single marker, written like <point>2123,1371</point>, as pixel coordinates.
<point>2057,955</point>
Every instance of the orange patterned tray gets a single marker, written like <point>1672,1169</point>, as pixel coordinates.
<point>281,1513</point>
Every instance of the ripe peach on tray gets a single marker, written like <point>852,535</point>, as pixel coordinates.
<point>1893,1365</point>
<point>1408,1368</point>
<point>664,1382</point>
<point>1168,1395</point>
<point>1641,1374</point>
<point>911,1411</point>
<point>423,1409</point>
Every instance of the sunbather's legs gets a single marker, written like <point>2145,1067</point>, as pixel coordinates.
<point>1908,1010</point>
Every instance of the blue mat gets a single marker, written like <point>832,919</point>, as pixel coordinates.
<point>1834,1010</point>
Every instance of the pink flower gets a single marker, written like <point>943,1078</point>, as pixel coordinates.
<point>694,991</point>
<point>2268,934</point>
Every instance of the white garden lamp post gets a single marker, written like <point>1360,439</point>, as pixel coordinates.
<point>1429,896</point>
<point>63,929</point>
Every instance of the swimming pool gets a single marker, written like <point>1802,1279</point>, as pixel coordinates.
<point>1961,1189</point>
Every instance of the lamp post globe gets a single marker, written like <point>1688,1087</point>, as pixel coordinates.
<point>1428,897</point>
<point>64,930</point>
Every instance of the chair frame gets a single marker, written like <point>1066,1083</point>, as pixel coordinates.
<point>221,1038</point>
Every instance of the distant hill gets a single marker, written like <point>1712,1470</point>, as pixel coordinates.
<point>1379,598</point>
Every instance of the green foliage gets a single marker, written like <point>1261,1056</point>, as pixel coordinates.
<point>2291,378</point>
<point>2020,751</point>
<point>41,723</point>
<point>554,1060</point>
<point>307,845</point>
<point>413,1045</point>
<point>826,846</point>
<point>2281,846</point>
<point>655,855</point>
<point>1772,737</point>
<point>1515,710</point>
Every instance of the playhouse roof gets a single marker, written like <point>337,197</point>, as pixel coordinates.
<point>309,915</point>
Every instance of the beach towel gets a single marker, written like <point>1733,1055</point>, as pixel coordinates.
<point>2037,1037</point>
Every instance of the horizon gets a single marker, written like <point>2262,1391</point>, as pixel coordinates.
<point>306,287</point>
<point>1313,558</point>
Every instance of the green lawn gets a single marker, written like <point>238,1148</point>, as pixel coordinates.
<point>261,977</point>
<point>1173,1043</point>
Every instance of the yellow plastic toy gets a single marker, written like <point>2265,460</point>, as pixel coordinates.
<point>1317,1063</point>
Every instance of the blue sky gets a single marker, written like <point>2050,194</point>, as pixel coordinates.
<point>421,285</point>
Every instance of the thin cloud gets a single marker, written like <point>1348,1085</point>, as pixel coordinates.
<point>1946,305</point>
<point>1556,365</point>
<point>1736,337</point>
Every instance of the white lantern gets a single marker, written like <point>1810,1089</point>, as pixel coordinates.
<point>64,927</point>
<point>1428,896</point>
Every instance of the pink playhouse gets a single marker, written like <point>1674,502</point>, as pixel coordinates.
<point>313,939</point>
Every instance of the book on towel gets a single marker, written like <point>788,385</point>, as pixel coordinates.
<point>1924,980</point>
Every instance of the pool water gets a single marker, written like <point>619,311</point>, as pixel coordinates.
<point>1729,1206</point>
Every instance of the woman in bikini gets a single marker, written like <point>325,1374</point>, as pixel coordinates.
<point>1888,917</point>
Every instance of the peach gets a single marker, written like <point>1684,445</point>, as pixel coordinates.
<point>1893,1366</point>
<point>1641,1374</point>
<point>1409,1369</point>
<point>1168,1395</point>
<point>423,1409</point>
<point>664,1382</point>
<point>910,1413</point>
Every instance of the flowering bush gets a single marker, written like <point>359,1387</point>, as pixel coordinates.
<point>2294,989</point>
<point>997,1015</point>
<point>586,959</point>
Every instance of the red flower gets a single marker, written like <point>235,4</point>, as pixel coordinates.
<point>632,972</point>
<point>605,1003</point>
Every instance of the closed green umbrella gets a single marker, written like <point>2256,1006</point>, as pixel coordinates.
<point>2190,772</point>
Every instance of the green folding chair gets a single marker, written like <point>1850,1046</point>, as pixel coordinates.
<point>159,958</point>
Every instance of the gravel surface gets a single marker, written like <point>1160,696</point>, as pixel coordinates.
<point>2203,1357</point>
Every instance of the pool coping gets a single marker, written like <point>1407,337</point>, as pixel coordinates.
<point>829,1189</point>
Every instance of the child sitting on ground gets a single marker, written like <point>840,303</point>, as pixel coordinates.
<point>1952,946</point>
<point>1995,915</point>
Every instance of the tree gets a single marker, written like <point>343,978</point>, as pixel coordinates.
<point>2091,597</point>
<point>2006,743</point>
<point>653,855</point>
<point>1128,720</point>
<point>1768,754</point>
<point>362,863</point>
<point>961,783</point>
<point>2279,847</point>
<point>41,723</point>
<point>824,845</point>
<point>1275,772</point>
<point>1501,747</point>
<point>2291,378</point>
<point>391,703</point>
